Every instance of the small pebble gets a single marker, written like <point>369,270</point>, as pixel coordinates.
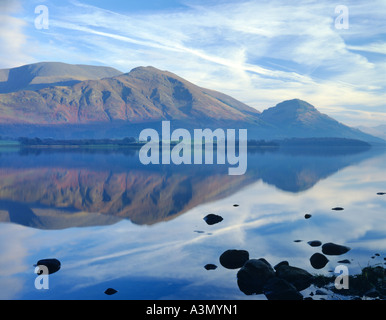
<point>110,291</point>
<point>210,266</point>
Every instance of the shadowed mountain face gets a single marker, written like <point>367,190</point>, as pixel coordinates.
<point>56,189</point>
<point>55,100</point>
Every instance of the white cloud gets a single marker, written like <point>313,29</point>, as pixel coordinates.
<point>259,52</point>
<point>12,37</point>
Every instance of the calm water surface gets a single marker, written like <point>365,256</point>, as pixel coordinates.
<point>113,222</point>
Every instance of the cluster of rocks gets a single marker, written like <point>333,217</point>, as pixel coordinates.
<point>257,276</point>
<point>285,282</point>
<point>319,260</point>
<point>282,282</point>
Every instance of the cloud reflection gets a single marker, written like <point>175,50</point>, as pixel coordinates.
<point>167,259</point>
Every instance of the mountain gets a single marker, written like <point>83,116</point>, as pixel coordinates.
<point>56,100</point>
<point>44,74</point>
<point>299,119</point>
<point>145,94</point>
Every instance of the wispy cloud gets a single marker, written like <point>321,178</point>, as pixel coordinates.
<point>377,47</point>
<point>259,52</point>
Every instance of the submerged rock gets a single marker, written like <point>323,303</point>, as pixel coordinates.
<point>110,291</point>
<point>318,260</point>
<point>338,209</point>
<point>346,261</point>
<point>307,216</point>
<point>52,265</point>
<point>210,266</point>
<point>298,277</point>
<point>280,289</point>
<point>213,219</point>
<point>234,259</point>
<point>315,243</point>
<point>333,249</point>
<point>254,275</point>
<point>381,193</point>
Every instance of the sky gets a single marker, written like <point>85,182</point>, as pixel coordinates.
<point>331,54</point>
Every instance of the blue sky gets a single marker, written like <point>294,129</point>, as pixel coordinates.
<point>260,52</point>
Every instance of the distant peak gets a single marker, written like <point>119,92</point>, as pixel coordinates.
<point>152,72</point>
<point>145,69</point>
<point>296,104</point>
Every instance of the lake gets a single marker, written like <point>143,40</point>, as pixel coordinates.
<point>113,222</point>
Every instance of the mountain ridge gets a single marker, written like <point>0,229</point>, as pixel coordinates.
<point>123,102</point>
<point>43,74</point>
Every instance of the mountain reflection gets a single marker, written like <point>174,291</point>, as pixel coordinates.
<point>56,189</point>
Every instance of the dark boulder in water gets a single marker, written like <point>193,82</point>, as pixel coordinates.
<point>381,193</point>
<point>282,263</point>
<point>298,277</point>
<point>307,216</point>
<point>234,259</point>
<point>280,289</point>
<point>110,291</point>
<point>318,260</point>
<point>315,243</point>
<point>210,266</point>
<point>52,265</point>
<point>254,275</point>
<point>333,249</point>
<point>212,219</point>
<point>337,209</point>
